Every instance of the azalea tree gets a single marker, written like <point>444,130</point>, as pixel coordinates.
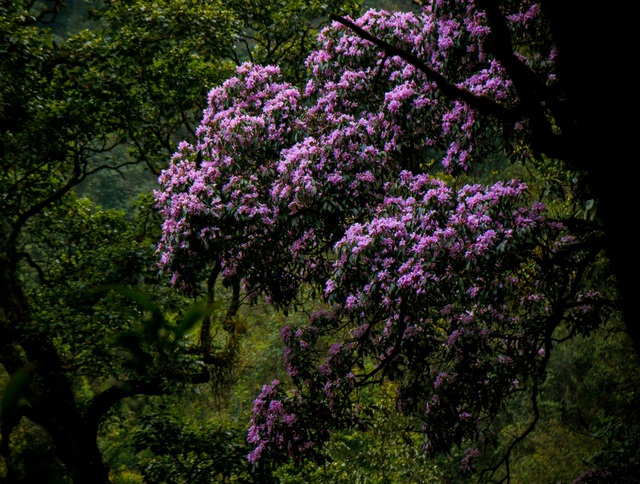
<point>351,190</point>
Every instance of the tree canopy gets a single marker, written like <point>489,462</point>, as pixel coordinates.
<point>346,188</point>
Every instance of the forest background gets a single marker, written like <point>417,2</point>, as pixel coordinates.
<point>109,374</point>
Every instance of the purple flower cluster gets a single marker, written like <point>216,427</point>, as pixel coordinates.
<point>268,154</point>
<point>438,281</point>
<point>274,424</point>
<point>444,291</point>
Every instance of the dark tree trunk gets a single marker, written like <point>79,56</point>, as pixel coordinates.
<point>51,402</point>
<point>597,54</point>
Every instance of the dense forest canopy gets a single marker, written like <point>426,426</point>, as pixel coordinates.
<point>384,243</point>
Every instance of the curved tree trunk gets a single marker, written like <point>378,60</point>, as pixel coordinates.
<point>51,402</point>
<point>596,68</point>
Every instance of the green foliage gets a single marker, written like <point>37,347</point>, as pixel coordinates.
<point>152,64</point>
<point>594,383</point>
<point>392,5</point>
<point>77,247</point>
<point>283,32</point>
<point>175,452</point>
<point>388,450</point>
<point>586,411</point>
<point>119,189</point>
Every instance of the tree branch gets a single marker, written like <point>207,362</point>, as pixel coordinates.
<point>26,256</point>
<point>534,95</point>
<point>75,178</point>
<point>205,327</point>
<point>481,103</point>
<point>104,401</point>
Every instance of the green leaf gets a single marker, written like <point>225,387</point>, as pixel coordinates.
<point>14,389</point>
<point>195,314</point>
